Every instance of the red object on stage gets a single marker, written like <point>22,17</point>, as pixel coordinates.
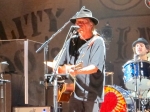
<point>110,102</point>
<point>114,101</point>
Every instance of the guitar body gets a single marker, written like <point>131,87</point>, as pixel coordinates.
<point>65,92</point>
<point>66,89</point>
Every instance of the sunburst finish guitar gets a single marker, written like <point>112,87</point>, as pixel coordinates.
<point>66,89</point>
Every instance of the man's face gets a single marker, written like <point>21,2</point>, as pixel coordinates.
<point>86,27</point>
<point>140,49</point>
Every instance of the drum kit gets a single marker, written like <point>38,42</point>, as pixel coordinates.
<point>137,96</point>
<point>137,81</point>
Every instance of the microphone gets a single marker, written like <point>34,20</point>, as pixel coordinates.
<point>74,31</point>
<point>75,27</point>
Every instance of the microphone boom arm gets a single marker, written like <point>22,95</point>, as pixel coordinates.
<point>46,42</point>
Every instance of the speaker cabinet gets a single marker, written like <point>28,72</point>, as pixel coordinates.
<point>32,109</point>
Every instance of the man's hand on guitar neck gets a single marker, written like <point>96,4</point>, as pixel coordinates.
<point>65,69</point>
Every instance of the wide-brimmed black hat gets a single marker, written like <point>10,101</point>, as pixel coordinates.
<point>140,40</point>
<point>85,13</point>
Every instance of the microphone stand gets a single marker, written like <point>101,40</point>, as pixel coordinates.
<point>54,75</point>
<point>45,72</point>
<point>135,72</point>
<point>137,90</point>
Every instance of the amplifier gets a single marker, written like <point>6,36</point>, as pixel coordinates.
<point>31,109</point>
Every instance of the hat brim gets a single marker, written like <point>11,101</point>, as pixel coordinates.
<point>95,21</point>
<point>139,41</point>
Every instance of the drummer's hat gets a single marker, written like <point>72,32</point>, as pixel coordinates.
<point>140,40</point>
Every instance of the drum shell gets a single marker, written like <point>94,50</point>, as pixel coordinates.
<point>137,73</point>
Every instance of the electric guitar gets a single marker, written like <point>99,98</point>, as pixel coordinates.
<point>66,89</point>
